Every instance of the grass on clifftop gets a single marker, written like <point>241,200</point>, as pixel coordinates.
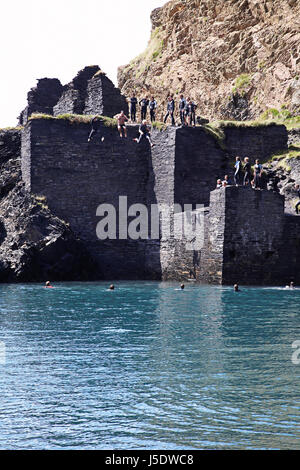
<point>75,118</point>
<point>282,159</point>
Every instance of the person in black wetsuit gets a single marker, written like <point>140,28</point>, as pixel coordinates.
<point>152,107</point>
<point>182,105</point>
<point>257,174</point>
<point>191,112</point>
<point>247,172</point>
<point>238,175</point>
<point>133,104</point>
<point>144,103</point>
<point>297,188</point>
<point>95,124</point>
<point>170,110</point>
<point>144,132</point>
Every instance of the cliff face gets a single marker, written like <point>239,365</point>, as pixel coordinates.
<point>235,58</point>
<point>34,244</point>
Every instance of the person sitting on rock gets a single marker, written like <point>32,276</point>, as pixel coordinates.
<point>238,175</point>
<point>144,103</point>
<point>247,172</point>
<point>121,119</point>
<point>95,124</point>
<point>219,184</point>
<point>297,188</point>
<point>227,180</point>
<point>257,174</point>
<point>170,110</point>
<point>144,132</point>
<point>152,107</point>
<point>191,112</point>
<point>133,103</point>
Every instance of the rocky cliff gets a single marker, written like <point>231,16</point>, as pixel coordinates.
<point>34,244</point>
<point>235,58</point>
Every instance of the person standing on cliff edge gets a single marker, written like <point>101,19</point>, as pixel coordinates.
<point>238,175</point>
<point>170,110</point>
<point>247,171</point>
<point>144,103</point>
<point>133,104</point>
<point>121,119</point>
<point>182,105</point>
<point>152,107</point>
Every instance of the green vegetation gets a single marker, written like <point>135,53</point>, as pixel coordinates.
<point>159,126</point>
<point>151,54</point>
<point>75,118</point>
<point>282,116</point>
<point>241,83</point>
<point>40,200</point>
<point>17,128</point>
<point>283,159</point>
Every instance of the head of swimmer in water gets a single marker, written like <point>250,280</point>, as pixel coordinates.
<point>111,287</point>
<point>182,286</point>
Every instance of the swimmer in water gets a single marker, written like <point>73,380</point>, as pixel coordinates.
<point>236,288</point>
<point>182,286</point>
<point>291,286</point>
<point>111,287</point>
<point>48,285</point>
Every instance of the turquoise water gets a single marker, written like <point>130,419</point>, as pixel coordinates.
<point>148,366</point>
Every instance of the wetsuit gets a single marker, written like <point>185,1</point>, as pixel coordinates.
<point>95,124</point>
<point>144,104</point>
<point>182,105</point>
<point>133,103</point>
<point>192,113</point>
<point>238,175</point>
<point>152,107</point>
<point>170,111</point>
<point>257,177</point>
<point>247,170</point>
<point>144,132</point>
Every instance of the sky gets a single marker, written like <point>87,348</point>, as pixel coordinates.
<point>57,38</point>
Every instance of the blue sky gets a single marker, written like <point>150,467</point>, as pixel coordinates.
<point>56,38</point>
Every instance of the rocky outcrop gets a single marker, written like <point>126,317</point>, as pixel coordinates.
<point>91,92</point>
<point>41,98</point>
<point>235,58</point>
<point>34,244</point>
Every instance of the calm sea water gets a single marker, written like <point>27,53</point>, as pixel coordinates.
<point>148,366</point>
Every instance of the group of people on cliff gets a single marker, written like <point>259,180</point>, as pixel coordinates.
<point>243,175</point>
<point>185,106</point>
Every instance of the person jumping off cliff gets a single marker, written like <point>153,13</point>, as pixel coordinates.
<point>170,110</point>
<point>133,104</point>
<point>144,103</point>
<point>238,175</point>
<point>95,124</point>
<point>144,132</point>
<point>297,188</point>
<point>247,172</point>
<point>257,174</point>
<point>182,105</point>
<point>121,119</point>
<point>152,107</point>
